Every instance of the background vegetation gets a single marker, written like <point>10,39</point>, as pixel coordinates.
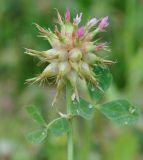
<point>98,139</point>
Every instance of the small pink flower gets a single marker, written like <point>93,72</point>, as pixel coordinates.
<point>67,15</point>
<point>103,24</point>
<point>101,46</point>
<point>77,19</point>
<point>80,32</point>
<point>92,22</point>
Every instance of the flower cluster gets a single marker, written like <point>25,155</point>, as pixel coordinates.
<point>73,53</point>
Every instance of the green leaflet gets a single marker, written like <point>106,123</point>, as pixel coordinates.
<point>59,126</point>
<point>37,136</point>
<point>35,114</point>
<point>104,77</point>
<point>120,111</point>
<point>83,109</point>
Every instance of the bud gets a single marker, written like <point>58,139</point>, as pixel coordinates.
<point>85,69</point>
<point>46,55</point>
<point>64,68</point>
<point>50,70</point>
<point>91,58</point>
<point>73,77</point>
<point>55,53</point>
<point>75,54</point>
<point>50,54</point>
<point>62,54</point>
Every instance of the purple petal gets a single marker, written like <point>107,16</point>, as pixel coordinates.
<point>103,24</point>
<point>80,32</point>
<point>67,15</point>
<point>77,19</point>
<point>92,22</point>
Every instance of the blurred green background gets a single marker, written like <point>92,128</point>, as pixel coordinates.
<point>98,139</point>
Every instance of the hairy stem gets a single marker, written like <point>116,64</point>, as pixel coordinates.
<point>70,152</point>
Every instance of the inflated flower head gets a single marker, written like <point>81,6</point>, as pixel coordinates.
<point>73,52</point>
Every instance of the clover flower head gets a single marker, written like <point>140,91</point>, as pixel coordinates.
<point>73,51</point>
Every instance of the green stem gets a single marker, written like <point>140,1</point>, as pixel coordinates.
<point>70,152</point>
<point>70,144</point>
